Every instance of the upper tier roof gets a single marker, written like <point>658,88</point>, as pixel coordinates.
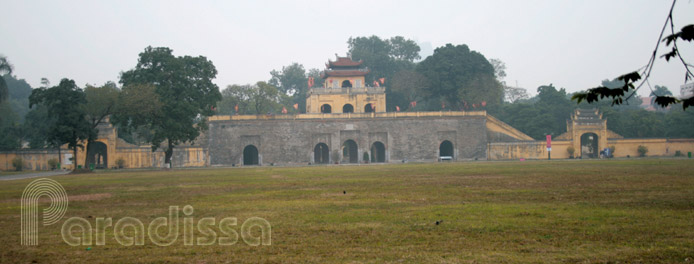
<point>343,62</point>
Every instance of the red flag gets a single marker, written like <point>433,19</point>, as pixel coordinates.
<point>382,80</point>
<point>236,108</point>
<point>310,82</point>
<point>284,110</point>
<point>474,105</point>
<point>296,106</point>
<point>213,108</point>
<point>376,84</point>
<point>484,103</point>
<point>397,108</point>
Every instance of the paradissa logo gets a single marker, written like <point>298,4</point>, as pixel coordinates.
<point>128,231</point>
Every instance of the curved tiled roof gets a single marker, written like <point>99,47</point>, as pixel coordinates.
<point>344,62</point>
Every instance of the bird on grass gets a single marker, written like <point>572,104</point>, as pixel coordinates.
<point>439,222</point>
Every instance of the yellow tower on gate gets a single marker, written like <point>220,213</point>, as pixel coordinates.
<point>344,90</point>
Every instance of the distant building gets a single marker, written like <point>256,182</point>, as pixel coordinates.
<point>687,90</point>
<point>345,90</point>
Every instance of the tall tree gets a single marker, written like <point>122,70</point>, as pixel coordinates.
<point>101,102</point>
<point>5,68</point>
<point>407,87</point>
<point>385,58</point>
<point>64,104</point>
<point>292,80</point>
<point>460,78</point>
<point>260,98</point>
<point>185,90</point>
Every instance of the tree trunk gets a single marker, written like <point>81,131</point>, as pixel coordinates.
<point>74,158</point>
<point>86,155</point>
<point>168,153</point>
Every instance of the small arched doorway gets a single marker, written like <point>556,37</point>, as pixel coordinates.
<point>98,155</point>
<point>326,109</point>
<point>589,145</point>
<point>346,84</point>
<point>250,155</point>
<point>378,152</point>
<point>446,150</point>
<point>348,108</point>
<point>350,152</point>
<point>368,108</point>
<point>321,154</point>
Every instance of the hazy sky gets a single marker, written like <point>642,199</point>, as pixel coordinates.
<point>572,44</point>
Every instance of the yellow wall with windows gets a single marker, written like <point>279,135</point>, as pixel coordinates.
<point>338,100</point>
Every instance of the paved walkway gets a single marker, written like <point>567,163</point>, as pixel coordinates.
<point>33,175</point>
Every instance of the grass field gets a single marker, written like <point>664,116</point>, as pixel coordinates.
<point>493,212</point>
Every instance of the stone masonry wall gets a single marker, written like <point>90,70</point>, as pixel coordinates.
<point>293,141</point>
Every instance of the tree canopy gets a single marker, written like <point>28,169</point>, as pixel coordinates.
<point>185,92</point>
<point>64,103</point>
<point>459,78</point>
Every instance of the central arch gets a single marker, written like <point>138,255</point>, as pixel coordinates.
<point>321,154</point>
<point>378,152</point>
<point>326,109</point>
<point>98,155</point>
<point>589,145</point>
<point>346,84</point>
<point>348,108</point>
<point>250,155</point>
<point>446,150</point>
<point>368,108</point>
<point>350,152</point>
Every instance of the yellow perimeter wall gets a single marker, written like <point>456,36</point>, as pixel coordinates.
<point>134,157</point>
<point>623,148</point>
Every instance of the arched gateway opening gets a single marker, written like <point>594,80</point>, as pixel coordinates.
<point>326,109</point>
<point>378,152</point>
<point>350,152</point>
<point>98,155</point>
<point>446,150</point>
<point>348,108</point>
<point>321,154</point>
<point>250,155</point>
<point>368,108</point>
<point>589,145</point>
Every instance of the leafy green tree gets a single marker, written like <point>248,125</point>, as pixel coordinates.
<point>403,49</point>
<point>18,99</point>
<point>185,90</point>
<point>260,98</point>
<point>459,78</point>
<point>5,68</point>
<point>385,58</point>
<point>10,129</point>
<point>547,115</point>
<point>407,87</point>
<point>101,102</point>
<point>292,80</point>
<point>64,104</point>
<point>37,126</point>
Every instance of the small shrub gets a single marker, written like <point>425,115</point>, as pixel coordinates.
<point>679,154</point>
<point>642,150</point>
<point>18,163</point>
<point>571,151</point>
<point>612,149</point>
<point>120,163</point>
<point>52,163</point>
<point>366,157</point>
